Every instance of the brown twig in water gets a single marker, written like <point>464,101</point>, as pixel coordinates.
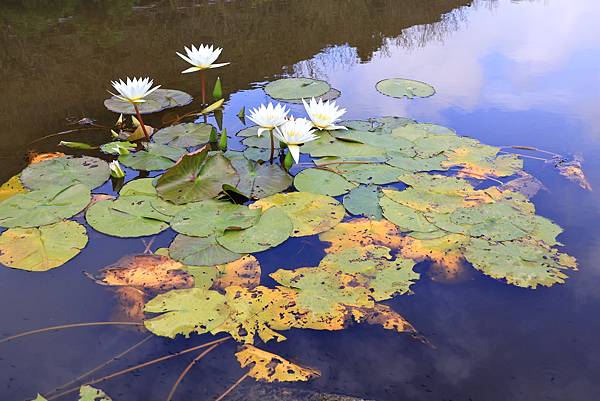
<point>68,326</point>
<point>187,369</point>
<point>522,155</point>
<point>531,148</point>
<point>139,366</point>
<point>148,245</point>
<point>97,368</point>
<point>233,387</point>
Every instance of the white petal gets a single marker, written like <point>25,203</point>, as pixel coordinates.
<point>295,151</point>
<point>191,69</point>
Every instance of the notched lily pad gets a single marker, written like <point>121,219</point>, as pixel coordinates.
<point>68,170</point>
<point>155,157</point>
<point>184,135</point>
<point>159,100</point>
<point>321,181</point>
<point>296,88</point>
<point>200,251</point>
<point>43,248</point>
<point>260,180</point>
<point>399,88</point>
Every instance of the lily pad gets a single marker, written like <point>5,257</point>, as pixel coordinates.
<point>296,88</point>
<point>364,201</point>
<point>258,181</point>
<point>184,135</point>
<point>11,187</point>
<point>44,206</point>
<point>257,154</point>
<point>324,182</point>
<point>140,186</point>
<point>368,173</point>
<point>202,219</point>
<point>399,88</point>
<point>156,157</point>
<point>43,248</point>
<point>273,228</point>
<point>268,367</point>
<point>65,171</point>
<point>327,145</point>
<point>331,94</point>
<point>309,213</point>
<point>118,148</point>
<point>129,216</point>
<point>405,218</point>
<point>200,251</point>
<point>249,131</point>
<point>262,142</point>
<point>522,263</point>
<point>197,176</point>
<point>159,100</point>
<point>415,164</point>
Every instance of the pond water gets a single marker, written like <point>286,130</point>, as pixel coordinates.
<point>505,72</point>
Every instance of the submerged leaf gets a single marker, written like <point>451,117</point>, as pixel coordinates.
<point>309,213</point>
<point>43,248</point>
<point>268,367</point>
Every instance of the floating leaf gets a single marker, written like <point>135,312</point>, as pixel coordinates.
<point>65,171</point>
<point>197,176</point>
<point>77,145</point>
<point>44,206</point>
<point>399,88</point>
<point>573,171</point>
<point>273,228</point>
<point>200,251</point>
<point>482,160</point>
<point>11,187</point>
<point>525,184</point>
<point>35,157</point>
<point>248,132</point>
<point>446,252</point>
<point>361,232</point>
<point>368,173</point>
<point>159,100</point>
<point>257,154</point>
<point>151,272</point>
<point>414,164</point>
<point>156,157</point>
<point>309,213</point>
<point>43,248</point>
<point>327,145</point>
<point>405,218</point>
<point>184,135</point>
<point>202,219</point>
<point>414,131</point>
<point>89,393</point>
<point>118,148</point>
<point>261,180</point>
<point>384,316</point>
<point>364,200</point>
<point>296,88</point>
<point>521,263</point>
<point>331,94</point>
<point>262,142</point>
<point>321,181</point>
<point>268,367</point>
<point>130,216</point>
<point>243,272</point>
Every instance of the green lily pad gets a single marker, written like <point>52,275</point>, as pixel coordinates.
<point>43,248</point>
<point>392,122</point>
<point>258,181</point>
<point>157,157</point>
<point>257,154</point>
<point>323,182</point>
<point>364,201</point>
<point>184,135</point>
<point>405,218</point>
<point>309,213</point>
<point>249,131</point>
<point>327,145</point>
<point>522,263</point>
<point>399,88</point>
<point>331,94</point>
<point>200,251</point>
<point>128,216</point>
<point>415,164</point>
<point>186,311</point>
<point>158,100</point>
<point>273,228</point>
<point>296,88</point>
<point>368,173</point>
<point>140,186</point>
<point>65,171</point>
<point>197,176</point>
<point>414,131</point>
<point>263,141</point>
<point>44,206</point>
<point>202,219</point>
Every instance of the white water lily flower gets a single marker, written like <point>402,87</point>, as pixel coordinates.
<point>294,133</point>
<point>324,115</point>
<point>268,117</point>
<point>202,58</point>
<point>133,90</point>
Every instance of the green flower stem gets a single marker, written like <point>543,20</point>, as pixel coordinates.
<point>139,117</point>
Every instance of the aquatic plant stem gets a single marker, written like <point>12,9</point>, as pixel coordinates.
<point>139,117</point>
<point>272,146</point>
<point>531,148</point>
<point>97,368</point>
<point>187,369</point>
<point>203,79</point>
<point>68,326</point>
<point>233,387</point>
<point>139,366</point>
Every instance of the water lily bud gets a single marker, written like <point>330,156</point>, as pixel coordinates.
<point>116,170</point>
<point>223,140</point>
<point>213,136</point>
<point>288,162</point>
<point>218,90</point>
